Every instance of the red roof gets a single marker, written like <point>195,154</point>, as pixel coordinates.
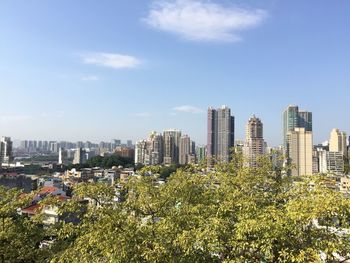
<point>48,190</point>
<point>32,209</point>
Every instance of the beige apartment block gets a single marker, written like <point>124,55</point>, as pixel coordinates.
<point>300,151</point>
<point>337,142</point>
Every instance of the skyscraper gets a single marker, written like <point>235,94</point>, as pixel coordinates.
<point>212,133</point>
<point>184,149</point>
<point>156,148</point>
<point>300,148</point>
<point>254,145</point>
<point>129,143</point>
<point>5,150</point>
<point>337,142</point>
<point>293,118</point>
<point>141,152</point>
<point>79,156</point>
<point>171,146</point>
<point>220,133</point>
<point>62,156</point>
<point>305,120</point>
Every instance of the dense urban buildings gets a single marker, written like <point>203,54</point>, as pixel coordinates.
<point>254,145</point>
<point>150,151</point>
<point>171,147</point>
<point>167,148</point>
<point>221,134</point>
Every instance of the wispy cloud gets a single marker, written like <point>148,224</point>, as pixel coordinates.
<point>111,60</point>
<point>188,109</point>
<point>143,114</point>
<point>90,78</point>
<point>201,20</point>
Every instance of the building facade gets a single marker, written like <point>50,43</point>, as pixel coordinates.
<point>171,146</point>
<point>300,148</point>
<point>254,145</point>
<point>337,142</point>
<point>79,156</point>
<point>295,118</point>
<point>185,149</point>
<point>330,162</point>
<point>150,151</point>
<point>220,137</point>
<point>6,155</point>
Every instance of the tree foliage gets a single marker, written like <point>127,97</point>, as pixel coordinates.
<point>19,235</point>
<point>109,161</point>
<point>230,213</point>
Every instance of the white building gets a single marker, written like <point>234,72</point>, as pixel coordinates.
<point>5,150</point>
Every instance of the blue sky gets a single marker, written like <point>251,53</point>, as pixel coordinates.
<point>97,70</point>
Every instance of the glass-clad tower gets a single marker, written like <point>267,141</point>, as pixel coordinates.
<point>293,118</point>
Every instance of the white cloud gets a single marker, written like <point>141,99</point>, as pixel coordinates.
<point>90,78</point>
<point>111,60</point>
<point>201,20</point>
<point>188,109</point>
<point>143,114</point>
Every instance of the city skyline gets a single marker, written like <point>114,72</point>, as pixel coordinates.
<point>127,139</point>
<point>81,71</point>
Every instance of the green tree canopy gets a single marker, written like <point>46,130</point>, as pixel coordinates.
<point>231,213</point>
<point>19,236</point>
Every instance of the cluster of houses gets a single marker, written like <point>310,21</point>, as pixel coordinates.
<point>59,187</point>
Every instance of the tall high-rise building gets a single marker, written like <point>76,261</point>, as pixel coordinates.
<point>5,150</point>
<point>221,139</point>
<point>141,152</point>
<point>156,148</point>
<point>62,156</point>
<point>305,120</point>
<point>254,145</point>
<point>79,156</point>
<point>184,149</point>
<point>24,145</point>
<point>129,143</point>
<point>293,118</point>
<point>201,153</point>
<point>150,151</point>
<point>171,146</point>
<point>40,145</point>
<point>300,147</point>
<point>337,142</point>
